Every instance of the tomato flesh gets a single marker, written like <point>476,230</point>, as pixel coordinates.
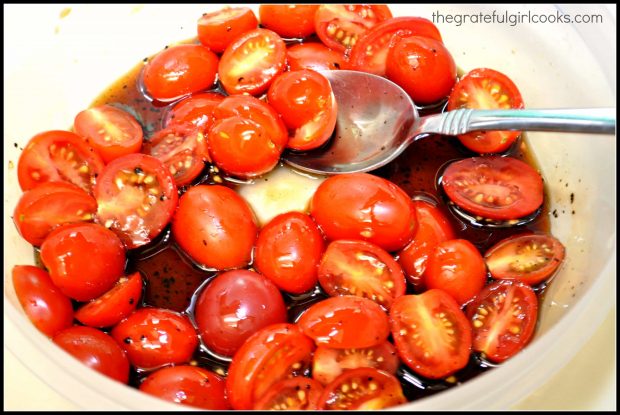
<point>218,29</point>
<point>288,20</point>
<point>299,393</point>
<point>315,56</point>
<point>197,109</point>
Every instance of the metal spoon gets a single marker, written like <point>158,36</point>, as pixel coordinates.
<point>377,120</point>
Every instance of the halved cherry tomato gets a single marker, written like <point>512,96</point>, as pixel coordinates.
<point>293,394</point>
<point>431,333</point>
<point>48,309</point>
<point>329,363</point>
<point>529,258</point>
<point>494,187</point>
<point>110,130</point>
<point>188,385</point>
<point>276,352</point>
<point>178,71</point>
<point>54,156</point>
<point>218,29</point>
<point>315,56</point>
<point>96,350</point>
<point>68,253</point>
<point>136,197</point>
<point>252,61</point>
<point>365,388</point>
<point>153,337</point>
<point>351,267</point>
<point>484,88</point>
<point>339,26</point>
<point>288,20</point>
<point>197,109</point>
<point>345,322</point>
<point>114,305</point>
<point>503,317</point>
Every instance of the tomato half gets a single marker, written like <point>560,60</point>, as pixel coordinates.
<point>294,394</point>
<point>431,333</point>
<point>315,56</point>
<point>218,29</point>
<point>288,20</point>
<point>504,318</point>
<point>484,88</point>
<point>197,109</point>
<point>494,187</point>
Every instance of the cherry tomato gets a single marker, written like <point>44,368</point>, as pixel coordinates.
<point>365,388</point>
<point>54,156</point>
<point>48,309</point>
<point>315,56</point>
<point>50,204</point>
<point>215,227</point>
<point>288,251</point>
<point>503,317</point>
<point>339,26</point>
<point>68,253</point>
<point>345,322</point>
<point>274,353</point>
<point>529,258</point>
<point>153,337</point>
<point>110,130</point>
<point>197,109</point>
<point>218,29</point>
<point>485,88</point>
<point>288,20</point>
<point>360,268</point>
<point>136,197</point>
<point>431,333</point>
<point>96,350</point>
<point>235,305</point>
<point>494,187</point>
<point>187,385</point>
<point>329,363</point>
<point>178,71</point>
<point>367,207</point>
<point>252,61</point>
<point>114,305</point>
<point>293,394</point>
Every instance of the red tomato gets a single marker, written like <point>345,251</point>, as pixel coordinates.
<point>486,89</point>
<point>197,109</point>
<point>503,317</point>
<point>431,333</point>
<point>68,253</point>
<point>188,385</point>
<point>96,350</point>
<point>288,251</point>
<point>136,195</point>
<point>529,258</point>
<point>456,267</point>
<point>110,130</point>
<point>367,207</point>
<point>54,156</point>
<point>235,305</point>
<point>494,187</point>
<point>315,56</point>
<point>339,26</point>
<point>252,61</point>
<point>288,20</point>
<point>293,394</point>
<point>114,305</point>
<point>215,227</point>
<point>361,268</point>
<point>218,29</point>
<point>48,309</point>
<point>50,204</point>
<point>276,352</point>
<point>328,363</point>
<point>365,388</point>
<point>178,71</point>
<point>153,337</point>
<point>345,322</point>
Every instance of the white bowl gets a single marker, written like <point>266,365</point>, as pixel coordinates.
<point>55,66</point>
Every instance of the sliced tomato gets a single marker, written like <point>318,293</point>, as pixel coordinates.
<point>315,56</point>
<point>288,20</point>
<point>218,29</point>
<point>136,198</point>
<point>432,335</point>
<point>504,318</point>
<point>197,109</point>
<point>294,394</point>
<point>494,187</point>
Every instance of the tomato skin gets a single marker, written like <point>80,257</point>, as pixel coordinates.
<point>288,20</point>
<point>48,309</point>
<point>187,385</point>
<point>218,29</point>
<point>288,251</point>
<point>315,56</point>
<point>253,301</point>
<point>196,109</point>
<point>369,208</point>
<point>299,393</point>
<point>68,253</point>
<point>178,71</point>
<point>96,350</point>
